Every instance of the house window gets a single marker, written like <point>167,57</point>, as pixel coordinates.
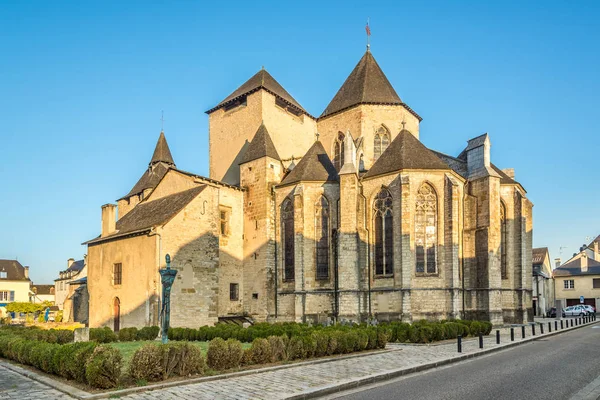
<point>287,217</point>
<point>234,291</point>
<point>3,275</point>
<point>117,274</point>
<point>224,222</point>
<point>596,283</point>
<point>381,142</point>
<point>384,233</point>
<point>426,230</point>
<point>4,296</point>
<point>322,237</point>
<point>503,241</point>
<point>569,283</point>
<point>338,155</point>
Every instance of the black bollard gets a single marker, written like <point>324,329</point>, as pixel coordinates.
<point>561,324</point>
<point>533,330</point>
<point>541,329</point>
<point>571,322</point>
<point>459,337</point>
<point>549,327</point>
<point>497,337</point>
<point>512,334</point>
<point>556,325</point>
<point>480,340</point>
<point>523,332</point>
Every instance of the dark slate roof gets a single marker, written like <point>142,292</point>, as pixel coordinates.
<point>456,164</point>
<point>157,168</point>
<point>573,268</point>
<point>79,281</point>
<point>76,266</point>
<point>405,152</point>
<point>366,84</point>
<point>147,215</point>
<point>260,146</point>
<point>504,179</point>
<point>315,166</point>
<point>43,289</point>
<point>261,80</point>
<point>538,255</point>
<point>162,153</point>
<point>14,270</point>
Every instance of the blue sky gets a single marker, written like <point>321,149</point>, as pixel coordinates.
<point>83,86</point>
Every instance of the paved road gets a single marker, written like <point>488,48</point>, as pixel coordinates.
<point>557,367</point>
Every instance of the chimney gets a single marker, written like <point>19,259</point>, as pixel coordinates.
<point>478,153</point>
<point>584,262</point>
<point>596,251</point>
<point>26,272</point>
<point>70,262</point>
<point>108,219</point>
<point>556,262</point>
<point>510,172</point>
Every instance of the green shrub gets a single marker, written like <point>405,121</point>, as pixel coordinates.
<point>278,346</point>
<point>147,363</point>
<point>247,357</point>
<point>128,334</point>
<point>217,354</point>
<point>103,368</point>
<point>148,333</point>
<point>261,351</point>
<point>103,335</point>
<point>191,361</point>
<point>236,352</point>
<point>295,348</point>
<point>321,343</point>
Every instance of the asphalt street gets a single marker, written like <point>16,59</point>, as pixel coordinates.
<point>555,367</point>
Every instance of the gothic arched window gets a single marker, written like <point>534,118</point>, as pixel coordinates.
<point>287,222</point>
<point>381,142</point>
<point>426,229</point>
<point>322,237</point>
<point>384,233</point>
<point>338,156</point>
<point>503,234</point>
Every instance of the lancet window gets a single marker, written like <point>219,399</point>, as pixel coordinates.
<point>287,218</point>
<point>338,156</point>
<point>426,230</point>
<point>322,237</point>
<point>381,141</point>
<point>384,233</point>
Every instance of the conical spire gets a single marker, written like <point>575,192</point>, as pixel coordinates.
<point>261,80</point>
<point>162,152</point>
<point>261,146</point>
<point>315,166</point>
<point>366,84</point>
<point>405,152</point>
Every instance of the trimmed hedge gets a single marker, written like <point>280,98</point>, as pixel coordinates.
<point>426,332</point>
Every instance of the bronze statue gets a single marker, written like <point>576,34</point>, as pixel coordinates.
<point>167,277</point>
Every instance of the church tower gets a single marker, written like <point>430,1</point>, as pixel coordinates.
<point>232,124</point>
<point>370,109</point>
<point>260,169</point>
<point>160,163</point>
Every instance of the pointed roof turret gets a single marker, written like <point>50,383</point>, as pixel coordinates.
<point>260,146</point>
<point>162,153</point>
<point>261,80</point>
<point>405,152</point>
<point>160,163</point>
<point>315,166</point>
<point>366,84</point>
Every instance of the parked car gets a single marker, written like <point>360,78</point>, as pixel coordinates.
<point>575,311</point>
<point>551,313</point>
<point>590,309</point>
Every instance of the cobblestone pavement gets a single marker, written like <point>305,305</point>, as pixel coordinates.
<point>288,382</point>
<point>16,386</point>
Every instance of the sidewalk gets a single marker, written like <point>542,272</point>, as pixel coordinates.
<point>310,380</point>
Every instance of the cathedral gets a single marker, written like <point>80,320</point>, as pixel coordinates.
<point>344,216</point>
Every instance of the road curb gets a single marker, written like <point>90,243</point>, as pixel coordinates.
<point>334,388</point>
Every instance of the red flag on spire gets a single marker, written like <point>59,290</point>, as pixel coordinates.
<point>368,29</point>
